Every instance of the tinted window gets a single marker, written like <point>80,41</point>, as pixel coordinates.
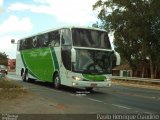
<point>93,61</point>
<point>23,44</point>
<point>66,57</point>
<point>20,45</point>
<point>43,40</point>
<point>28,43</point>
<point>54,38</point>
<point>66,37</point>
<point>66,48</point>
<point>35,42</point>
<point>90,38</point>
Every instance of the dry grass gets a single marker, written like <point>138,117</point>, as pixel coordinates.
<point>11,89</point>
<point>137,84</point>
<point>5,84</point>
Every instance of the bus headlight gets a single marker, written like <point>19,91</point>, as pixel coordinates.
<point>108,79</point>
<point>76,78</point>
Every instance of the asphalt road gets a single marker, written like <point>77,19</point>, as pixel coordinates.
<point>115,99</point>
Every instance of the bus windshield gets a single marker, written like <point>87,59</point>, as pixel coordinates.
<point>90,38</point>
<point>93,62</point>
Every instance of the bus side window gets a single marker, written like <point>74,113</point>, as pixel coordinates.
<point>66,56</point>
<point>21,45</point>
<point>34,42</point>
<point>29,43</point>
<point>54,38</point>
<point>66,48</point>
<point>24,44</point>
<point>43,40</point>
<point>66,37</point>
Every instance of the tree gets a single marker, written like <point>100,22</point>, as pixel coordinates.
<point>3,58</point>
<point>136,27</point>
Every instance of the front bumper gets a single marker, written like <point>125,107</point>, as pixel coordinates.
<point>82,84</point>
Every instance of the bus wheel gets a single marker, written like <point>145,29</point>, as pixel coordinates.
<point>25,77</point>
<point>57,81</point>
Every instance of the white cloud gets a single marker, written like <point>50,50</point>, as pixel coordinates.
<point>14,24</point>
<point>1,3</point>
<point>67,11</point>
<point>7,47</point>
<point>74,11</point>
<point>19,6</point>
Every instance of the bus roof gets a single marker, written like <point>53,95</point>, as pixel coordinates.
<point>69,27</point>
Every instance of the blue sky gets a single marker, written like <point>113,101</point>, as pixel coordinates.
<point>20,18</point>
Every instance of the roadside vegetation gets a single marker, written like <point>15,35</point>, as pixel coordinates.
<point>141,84</point>
<point>135,25</point>
<point>3,58</point>
<point>11,89</point>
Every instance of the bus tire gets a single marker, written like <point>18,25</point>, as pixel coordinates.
<point>57,81</point>
<point>25,77</point>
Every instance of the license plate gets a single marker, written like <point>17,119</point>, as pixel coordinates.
<point>93,85</point>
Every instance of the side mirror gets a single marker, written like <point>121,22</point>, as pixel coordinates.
<point>73,55</point>
<point>13,41</point>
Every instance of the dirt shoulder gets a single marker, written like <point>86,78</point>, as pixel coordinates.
<point>21,100</point>
<point>30,104</point>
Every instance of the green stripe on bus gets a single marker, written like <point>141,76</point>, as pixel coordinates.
<point>94,77</point>
<point>55,60</point>
<point>26,67</point>
<point>39,63</point>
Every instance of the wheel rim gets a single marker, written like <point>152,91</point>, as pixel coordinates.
<point>27,77</point>
<point>23,76</point>
<point>56,81</point>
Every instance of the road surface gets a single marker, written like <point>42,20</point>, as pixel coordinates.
<point>116,99</point>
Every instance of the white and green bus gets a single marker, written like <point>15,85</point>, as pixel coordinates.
<point>71,56</point>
